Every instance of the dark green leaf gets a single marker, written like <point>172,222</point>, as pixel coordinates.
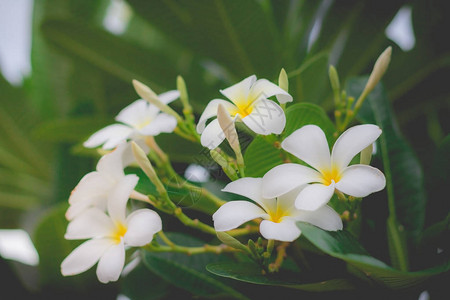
<point>188,272</point>
<point>109,53</point>
<point>308,83</point>
<point>132,287</point>
<point>344,246</point>
<point>229,32</point>
<point>404,176</point>
<point>301,114</point>
<point>261,156</point>
<point>252,273</point>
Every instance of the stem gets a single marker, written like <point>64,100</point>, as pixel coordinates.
<point>191,250</point>
<point>166,239</point>
<point>281,254</point>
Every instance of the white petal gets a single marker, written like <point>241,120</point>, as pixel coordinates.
<point>266,117</point>
<point>284,178</point>
<point>162,123</point>
<point>286,202</point>
<point>265,89</point>
<point>361,180</point>
<point>213,135</point>
<point>235,213</point>
<point>111,263</point>
<point>142,224</point>
<point>240,90</point>
<point>314,196</point>
<point>285,231</point>
<point>169,96</point>
<point>310,145</point>
<point>136,113</point>
<point>211,111</point>
<point>324,217</point>
<point>251,188</point>
<point>89,224</point>
<point>111,136</point>
<point>92,185</point>
<point>353,141</point>
<point>84,256</point>
<point>118,198</point>
<point>111,165</point>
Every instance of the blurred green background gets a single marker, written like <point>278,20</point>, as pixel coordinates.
<point>85,53</point>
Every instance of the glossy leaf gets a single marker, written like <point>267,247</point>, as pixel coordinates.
<point>188,272</point>
<point>109,53</point>
<point>309,82</point>
<point>344,246</point>
<point>404,177</point>
<point>229,32</point>
<point>252,273</point>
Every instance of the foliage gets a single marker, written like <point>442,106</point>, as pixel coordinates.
<point>82,78</point>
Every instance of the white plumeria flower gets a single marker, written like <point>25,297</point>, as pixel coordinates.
<point>250,105</point>
<point>109,234</point>
<point>279,214</point>
<point>140,119</point>
<point>330,171</point>
<point>95,187</point>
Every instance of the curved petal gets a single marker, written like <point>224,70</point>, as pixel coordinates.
<point>284,178</point>
<point>142,225</point>
<point>211,111</point>
<point>169,96</point>
<point>265,89</point>
<point>240,90</point>
<point>213,135</point>
<point>111,136</point>
<point>310,145</point>
<point>314,196</point>
<point>235,213</point>
<point>324,217</point>
<point>118,198</point>
<point>286,202</point>
<point>162,123</point>
<point>92,185</point>
<point>91,223</point>
<point>251,188</point>
<point>111,263</point>
<point>111,164</point>
<point>266,117</point>
<point>353,141</point>
<point>135,113</point>
<point>285,231</point>
<point>361,180</point>
<point>84,256</point>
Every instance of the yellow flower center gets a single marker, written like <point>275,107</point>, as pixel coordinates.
<point>119,232</point>
<point>330,175</point>
<point>277,216</point>
<point>243,108</point>
<point>143,124</point>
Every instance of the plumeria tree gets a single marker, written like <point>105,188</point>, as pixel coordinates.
<point>229,149</point>
<point>311,192</point>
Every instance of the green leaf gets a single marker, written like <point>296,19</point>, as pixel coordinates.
<point>188,272</point>
<point>230,32</point>
<point>261,156</point>
<point>404,176</point>
<point>301,114</point>
<point>109,53</point>
<point>49,241</point>
<point>343,245</point>
<point>309,81</point>
<point>251,273</point>
<point>132,287</point>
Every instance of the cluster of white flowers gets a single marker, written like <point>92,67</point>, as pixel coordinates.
<point>286,194</point>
